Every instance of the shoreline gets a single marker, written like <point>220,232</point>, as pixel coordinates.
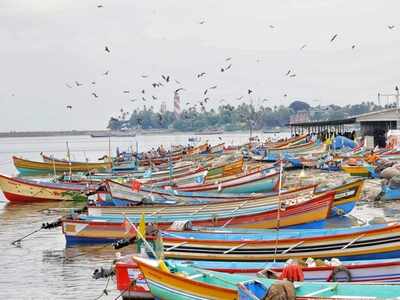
<point>22,134</point>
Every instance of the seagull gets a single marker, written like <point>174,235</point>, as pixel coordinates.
<point>288,72</point>
<point>166,78</point>
<point>93,82</point>
<point>352,47</point>
<point>302,47</point>
<point>95,95</point>
<point>143,91</point>
<point>100,6</point>
<point>292,75</point>
<point>220,138</point>
<point>133,100</point>
<point>271,26</point>
<point>69,86</point>
<point>228,58</point>
<point>78,84</point>
<point>206,99</point>
<point>201,74</point>
<point>69,106</point>
<point>154,85</point>
<point>126,92</point>
<point>213,87</point>
<point>391,27</point>
<point>107,49</point>
<point>106,72</point>
<point>222,70</point>
<point>144,76</point>
<point>249,91</point>
<point>205,92</point>
<point>177,81</point>
<point>240,98</point>
<point>334,37</point>
<point>202,22</point>
<point>284,95</point>
<point>143,99</point>
<point>228,67</point>
<point>154,97</point>
<point>180,89</point>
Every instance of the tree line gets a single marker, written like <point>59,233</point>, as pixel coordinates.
<point>231,118</point>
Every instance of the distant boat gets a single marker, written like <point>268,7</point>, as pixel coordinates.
<point>209,132</point>
<point>272,130</point>
<point>112,133</point>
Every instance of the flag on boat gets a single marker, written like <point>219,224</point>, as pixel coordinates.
<point>142,227</point>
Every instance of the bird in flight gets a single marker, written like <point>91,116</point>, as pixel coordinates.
<point>201,74</point>
<point>106,72</point>
<point>213,87</point>
<point>144,76</point>
<point>202,22</point>
<point>78,84</point>
<point>143,91</point>
<point>68,86</point>
<point>154,97</point>
<point>240,98</point>
<point>205,92</point>
<point>292,75</point>
<point>95,95</point>
<point>271,26</point>
<point>228,58</point>
<point>166,78</point>
<point>391,27</point>
<point>180,89</point>
<point>93,82</point>
<point>334,37</point>
<point>126,92</point>
<point>288,72</point>
<point>249,91</point>
<point>107,49</point>
<point>178,82</point>
<point>69,106</point>
<point>302,47</point>
<point>133,100</point>
<point>100,6</point>
<point>354,46</point>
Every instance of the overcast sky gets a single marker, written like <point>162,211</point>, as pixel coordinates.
<point>46,44</point>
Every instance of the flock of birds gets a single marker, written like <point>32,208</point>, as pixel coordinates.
<point>167,80</point>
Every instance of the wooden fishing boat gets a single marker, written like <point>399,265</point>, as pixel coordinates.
<point>384,270</point>
<point>217,148</point>
<point>29,167</point>
<point>223,170</point>
<point>356,170</point>
<point>96,227</point>
<point>294,140</point>
<point>178,282</point>
<point>369,244</point>
<point>255,182</point>
<point>190,177</point>
<point>346,196</point>
<point>160,160</point>
<point>197,150</point>
<point>24,190</point>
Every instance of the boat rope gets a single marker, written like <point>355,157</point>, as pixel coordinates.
<point>104,292</point>
<point>126,289</point>
<point>44,226</point>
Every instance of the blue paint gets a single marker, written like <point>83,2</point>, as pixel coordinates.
<point>342,209</point>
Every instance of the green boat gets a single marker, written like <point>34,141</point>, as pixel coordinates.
<point>170,281</point>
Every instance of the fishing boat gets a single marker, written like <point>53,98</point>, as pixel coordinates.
<point>96,227</point>
<point>375,243</point>
<point>25,190</point>
<point>169,281</point>
<point>225,169</point>
<point>190,177</point>
<point>356,170</point>
<point>130,279</point>
<point>30,167</point>
<point>258,181</point>
<point>216,148</point>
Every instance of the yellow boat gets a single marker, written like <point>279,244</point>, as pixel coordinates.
<point>356,170</point>
<point>29,167</point>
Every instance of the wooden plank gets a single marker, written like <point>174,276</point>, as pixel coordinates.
<point>292,247</point>
<point>235,248</point>
<point>330,288</point>
<point>176,246</point>
<point>353,241</point>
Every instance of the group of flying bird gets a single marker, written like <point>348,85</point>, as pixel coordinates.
<point>166,80</point>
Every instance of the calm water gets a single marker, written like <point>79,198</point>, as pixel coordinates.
<point>42,268</point>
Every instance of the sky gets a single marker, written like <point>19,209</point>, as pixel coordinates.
<point>47,45</point>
